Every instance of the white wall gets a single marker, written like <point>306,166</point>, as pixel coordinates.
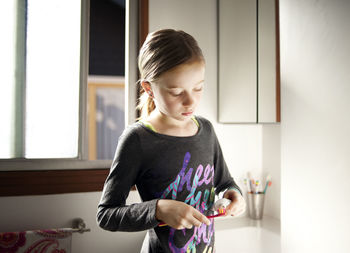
<point>58,211</point>
<point>271,164</point>
<point>315,60</point>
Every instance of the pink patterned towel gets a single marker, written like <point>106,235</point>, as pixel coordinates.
<point>38,241</point>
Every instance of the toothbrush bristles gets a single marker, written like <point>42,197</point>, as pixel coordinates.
<point>221,210</point>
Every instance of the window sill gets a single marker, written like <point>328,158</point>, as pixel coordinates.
<point>22,164</point>
<point>38,177</point>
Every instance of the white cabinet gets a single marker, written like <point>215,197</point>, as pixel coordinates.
<point>248,61</point>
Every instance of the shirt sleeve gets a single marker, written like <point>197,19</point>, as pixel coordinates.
<point>112,213</point>
<point>223,179</point>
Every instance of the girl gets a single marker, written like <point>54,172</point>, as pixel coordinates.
<point>172,156</point>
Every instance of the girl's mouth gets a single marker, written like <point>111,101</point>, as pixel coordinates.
<point>187,113</point>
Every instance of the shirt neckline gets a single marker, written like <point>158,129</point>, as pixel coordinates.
<point>150,130</point>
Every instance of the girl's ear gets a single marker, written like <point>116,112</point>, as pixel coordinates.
<point>147,88</point>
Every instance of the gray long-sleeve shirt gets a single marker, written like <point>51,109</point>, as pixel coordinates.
<point>189,169</point>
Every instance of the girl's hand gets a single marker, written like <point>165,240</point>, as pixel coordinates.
<point>237,205</point>
<point>179,215</point>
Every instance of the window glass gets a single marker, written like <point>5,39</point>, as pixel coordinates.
<point>7,73</point>
<point>52,79</point>
<point>106,113</point>
<point>106,92</point>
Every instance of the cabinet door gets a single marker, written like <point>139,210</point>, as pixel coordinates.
<point>247,66</point>
<point>267,67</point>
<point>237,61</point>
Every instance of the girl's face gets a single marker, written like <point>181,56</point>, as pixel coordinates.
<point>177,92</point>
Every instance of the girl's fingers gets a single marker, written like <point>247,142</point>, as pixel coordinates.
<point>188,225</point>
<point>193,218</point>
<point>236,208</point>
<point>239,209</point>
<point>236,211</point>
<point>196,222</point>
<point>230,208</point>
<point>201,218</point>
<point>183,224</point>
<point>189,222</point>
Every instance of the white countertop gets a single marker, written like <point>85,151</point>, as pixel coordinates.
<point>245,235</point>
<point>268,223</point>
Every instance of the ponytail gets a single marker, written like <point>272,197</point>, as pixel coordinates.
<point>145,104</point>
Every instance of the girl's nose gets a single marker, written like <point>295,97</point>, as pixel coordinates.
<point>188,100</point>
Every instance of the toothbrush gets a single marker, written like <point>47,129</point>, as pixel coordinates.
<point>268,183</point>
<point>220,206</point>
<point>247,184</point>
<point>257,186</point>
<point>251,182</point>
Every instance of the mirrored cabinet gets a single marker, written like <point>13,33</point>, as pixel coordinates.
<point>248,61</point>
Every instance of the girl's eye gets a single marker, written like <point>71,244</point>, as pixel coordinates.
<point>199,89</point>
<point>175,94</point>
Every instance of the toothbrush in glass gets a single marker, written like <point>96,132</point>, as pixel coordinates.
<point>257,186</point>
<point>247,183</point>
<point>251,182</point>
<point>268,183</point>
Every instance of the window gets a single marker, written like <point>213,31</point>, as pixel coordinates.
<point>42,84</point>
<point>35,76</point>
<point>46,85</point>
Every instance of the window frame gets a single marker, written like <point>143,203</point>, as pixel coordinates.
<point>20,176</point>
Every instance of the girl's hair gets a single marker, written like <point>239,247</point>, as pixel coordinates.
<point>162,51</point>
